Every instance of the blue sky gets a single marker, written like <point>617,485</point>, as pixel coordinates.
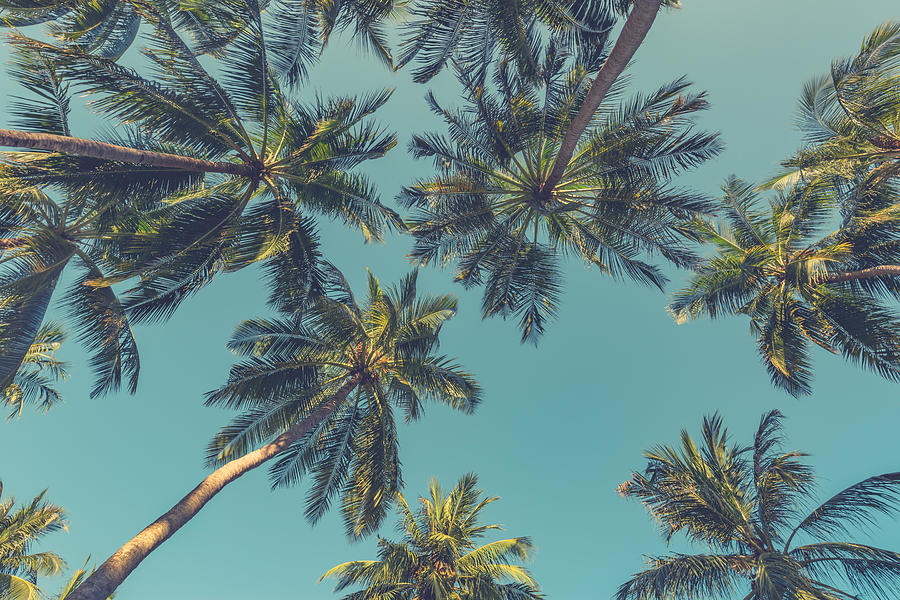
<point>561,424</point>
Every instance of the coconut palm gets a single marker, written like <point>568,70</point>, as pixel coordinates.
<point>489,209</point>
<point>20,528</point>
<point>317,394</point>
<point>851,117</point>
<point>439,557</point>
<point>42,235</point>
<point>40,369</point>
<point>748,506</point>
<point>108,27</point>
<point>799,283</point>
<point>216,176</point>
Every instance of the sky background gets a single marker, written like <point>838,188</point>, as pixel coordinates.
<point>561,425</point>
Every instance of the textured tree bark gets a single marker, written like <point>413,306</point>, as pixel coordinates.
<point>878,271</point>
<point>104,151</point>
<point>104,581</point>
<point>639,21</point>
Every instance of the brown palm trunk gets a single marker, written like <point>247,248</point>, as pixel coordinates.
<point>104,581</point>
<point>104,151</point>
<point>869,273</point>
<point>639,21</point>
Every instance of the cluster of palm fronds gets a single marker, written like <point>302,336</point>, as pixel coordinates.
<point>819,264</point>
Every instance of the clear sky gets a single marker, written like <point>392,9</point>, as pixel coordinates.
<point>561,424</point>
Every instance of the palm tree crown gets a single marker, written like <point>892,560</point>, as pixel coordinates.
<point>383,351</point>
<point>439,557</point>
<point>215,176</point>
<point>490,212</point>
<point>851,117</point>
<point>20,528</point>
<point>799,283</point>
<point>746,505</point>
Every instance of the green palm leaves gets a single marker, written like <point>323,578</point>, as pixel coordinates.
<point>488,210</point>
<point>383,353</point>
<point>217,176</point>
<point>745,503</point>
<point>34,380</point>
<point>20,528</point>
<point>851,116</point>
<point>439,557</point>
<point>798,285</point>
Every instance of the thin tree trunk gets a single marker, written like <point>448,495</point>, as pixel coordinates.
<point>639,21</point>
<point>104,151</point>
<point>104,581</point>
<point>869,273</point>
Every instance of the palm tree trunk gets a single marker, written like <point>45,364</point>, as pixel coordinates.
<point>104,151</point>
<point>869,273</point>
<point>639,21</point>
<point>104,581</point>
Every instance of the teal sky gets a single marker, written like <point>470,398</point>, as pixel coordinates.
<point>561,425</point>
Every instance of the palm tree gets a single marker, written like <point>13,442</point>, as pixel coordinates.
<point>40,238</point>
<point>851,117</point>
<point>317,393</point>
<point>489,209</point>
<point>108,27</point>
<point>438,558</point>
<point>747,505</point>
<point>33,382</point>
<point>217,176</point>
<point>799,285</point>
<point>20,528</point>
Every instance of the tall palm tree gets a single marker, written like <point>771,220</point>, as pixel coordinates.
<point>215,177</point>
<point>439,557</point>
<point>317,394</point>
<point>20,528</point>
<point>108,27</point>
<point>799,283</point>
<point>489,210</point>
<point>34,380</point>
<point>851,116</point>
<point>748,506</point>
<point>41,235</point>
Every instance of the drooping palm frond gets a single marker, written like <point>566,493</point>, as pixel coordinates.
<point>488,213</point>
<point>747,512</point>
<point>439,557</point>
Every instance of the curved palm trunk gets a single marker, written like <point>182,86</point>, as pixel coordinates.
<point>104,151</point>
<point>104,581</point>
<point>869,273</point>
<point>641,17</point>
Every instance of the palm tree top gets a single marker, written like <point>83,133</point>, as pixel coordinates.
<point>380,354</point>
<point>490,211</point>
<point>20,528</point>
<point>439,556</point>
<point>799,281</point>
<point>748,505</point>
